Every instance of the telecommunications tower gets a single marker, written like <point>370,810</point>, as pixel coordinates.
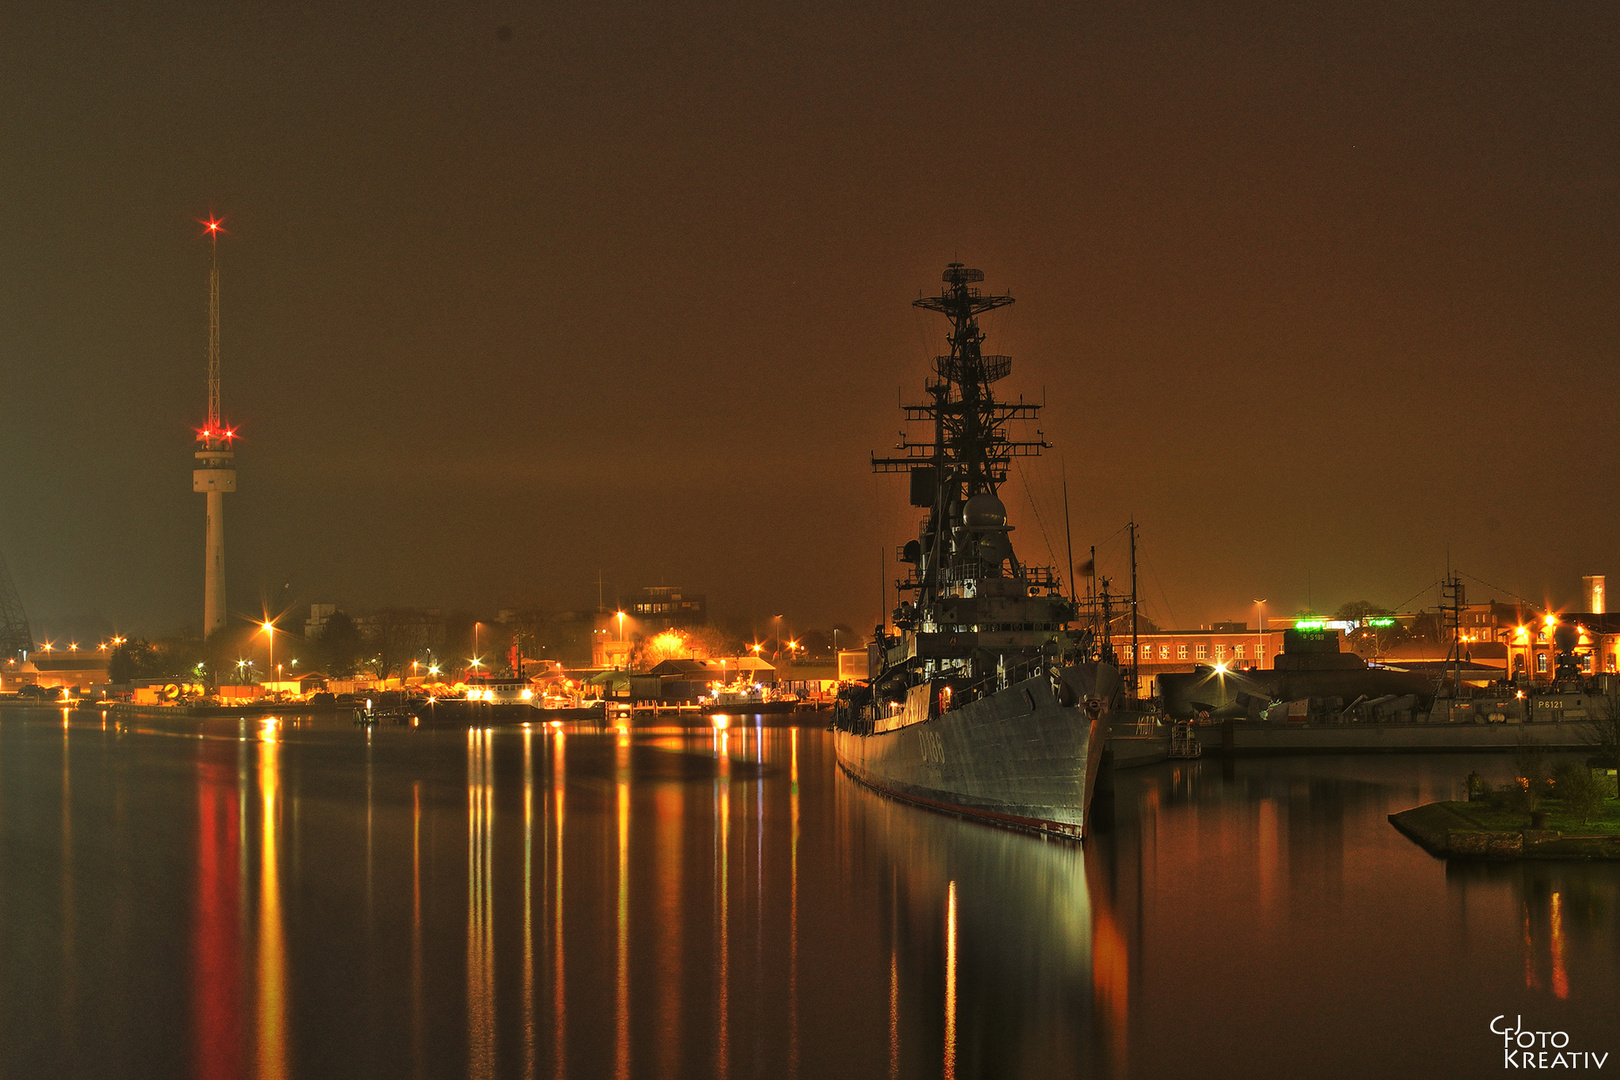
<point>216,462</point>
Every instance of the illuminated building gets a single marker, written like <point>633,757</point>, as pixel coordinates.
<point>665,607</point>
<point>1231,644</point>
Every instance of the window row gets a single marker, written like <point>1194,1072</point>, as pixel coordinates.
<point>1200,651</point>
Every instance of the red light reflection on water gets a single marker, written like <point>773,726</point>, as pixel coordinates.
<point>216,974</point>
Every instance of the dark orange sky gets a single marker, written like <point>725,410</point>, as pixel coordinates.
<point>1315,291</point>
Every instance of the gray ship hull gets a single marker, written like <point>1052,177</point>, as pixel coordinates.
<point>1018,757</point>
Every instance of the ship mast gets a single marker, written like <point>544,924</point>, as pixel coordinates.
<point>1136,648</point>
<point>969,450</point>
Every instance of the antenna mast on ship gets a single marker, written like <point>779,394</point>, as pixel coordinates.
<point>969,452</point>
<point>1136,650</point>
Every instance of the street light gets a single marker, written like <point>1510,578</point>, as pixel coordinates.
<point>270,632</point>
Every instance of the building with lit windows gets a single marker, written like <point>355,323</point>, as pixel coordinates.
<point>1233,645</point>
<point>666,607</point>
<point>1533,650</point>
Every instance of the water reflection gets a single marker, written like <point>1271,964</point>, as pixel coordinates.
<point>719,900</point>
<point>722,907</point>
<point>671,916</point>
<point>216,975</point>
<point>272,959</point>
<point>621,1059</point>
<point>480,906</point>
<point>528,904</point>
<point>559,986</point>
<point>418,1050</point>
<point>990,952</point>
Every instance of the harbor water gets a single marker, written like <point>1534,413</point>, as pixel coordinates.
<point>301,897</point>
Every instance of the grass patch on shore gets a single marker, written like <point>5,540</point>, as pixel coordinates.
<point>1496,818</point>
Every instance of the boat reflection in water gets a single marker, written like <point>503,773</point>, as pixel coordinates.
<point>294,896</point>
<point>1005,956</point>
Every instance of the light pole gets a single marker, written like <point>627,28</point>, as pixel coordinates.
<point>1260,609</point>
<point>270,632</point>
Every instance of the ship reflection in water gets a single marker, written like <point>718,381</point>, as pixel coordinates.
<point>296,897</point>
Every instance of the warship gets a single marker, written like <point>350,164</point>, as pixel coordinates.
<point>984,701</point>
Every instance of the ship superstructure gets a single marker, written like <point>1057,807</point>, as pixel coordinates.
<point>984,701</point>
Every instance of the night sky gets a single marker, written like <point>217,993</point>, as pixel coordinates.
<point>517,294</point>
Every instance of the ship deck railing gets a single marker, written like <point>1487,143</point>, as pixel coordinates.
<point>1040,577</point>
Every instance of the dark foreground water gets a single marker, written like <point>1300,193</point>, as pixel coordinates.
<point>305,898</point>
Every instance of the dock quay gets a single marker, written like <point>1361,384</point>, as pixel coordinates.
<point>1446,831</point>
<point>1241,737</point>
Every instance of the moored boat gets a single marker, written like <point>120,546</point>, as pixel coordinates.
<point>985,701</point>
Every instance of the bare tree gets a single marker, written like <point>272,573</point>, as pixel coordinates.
<point>394,637</point>
<point>1605,730</point>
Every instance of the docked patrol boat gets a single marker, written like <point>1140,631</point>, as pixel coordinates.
<point>985,701</point>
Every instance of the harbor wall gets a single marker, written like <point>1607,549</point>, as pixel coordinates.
<point>1247,737</point>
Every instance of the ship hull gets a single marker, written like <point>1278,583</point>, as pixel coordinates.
<point>1018,757</point>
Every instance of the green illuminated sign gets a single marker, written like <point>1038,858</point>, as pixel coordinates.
<point>1310,624</point>
<point>1380,622</point>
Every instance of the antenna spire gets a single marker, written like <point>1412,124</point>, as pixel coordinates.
<point>213,330</point>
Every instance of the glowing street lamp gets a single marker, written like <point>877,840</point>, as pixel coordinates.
<point>270,632</point>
